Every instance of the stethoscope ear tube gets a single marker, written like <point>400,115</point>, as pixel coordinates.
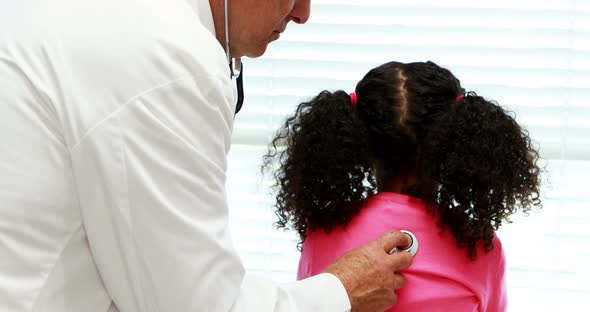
<point>240,84</point>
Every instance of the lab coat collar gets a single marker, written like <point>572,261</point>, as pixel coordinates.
<point>203,9</point>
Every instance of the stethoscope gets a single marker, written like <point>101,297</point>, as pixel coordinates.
<point>236,69</point>
<point>412,248</point>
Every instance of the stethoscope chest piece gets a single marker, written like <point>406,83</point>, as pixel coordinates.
<point>412,248</point>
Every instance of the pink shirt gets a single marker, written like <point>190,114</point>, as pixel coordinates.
<point>441,278</point>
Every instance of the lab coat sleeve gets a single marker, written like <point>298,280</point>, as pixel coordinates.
<point>151,183</point>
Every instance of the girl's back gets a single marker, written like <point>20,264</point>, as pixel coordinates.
<point>441,277</point>
<point>408,129</point>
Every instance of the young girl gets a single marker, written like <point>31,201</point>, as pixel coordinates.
<point>408,150</point>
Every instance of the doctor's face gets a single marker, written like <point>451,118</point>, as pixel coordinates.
<point>256,23</point>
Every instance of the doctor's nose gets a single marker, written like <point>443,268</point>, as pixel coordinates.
<point>301,11</point>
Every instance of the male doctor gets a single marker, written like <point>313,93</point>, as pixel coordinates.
<point>115,122</point>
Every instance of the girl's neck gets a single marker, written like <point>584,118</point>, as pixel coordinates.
<point>399,185</point>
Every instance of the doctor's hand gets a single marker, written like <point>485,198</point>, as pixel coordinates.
<point>371,275</point>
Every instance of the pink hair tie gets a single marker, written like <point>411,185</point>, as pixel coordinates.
<point>459,98</point>
<point>353,99</point>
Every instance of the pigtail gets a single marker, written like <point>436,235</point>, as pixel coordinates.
<point>320,159</point>
<point>484,168</point>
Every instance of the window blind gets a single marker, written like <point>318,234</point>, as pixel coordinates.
<point>531,56</point>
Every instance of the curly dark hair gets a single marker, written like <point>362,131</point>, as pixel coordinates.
<point>472,161</point>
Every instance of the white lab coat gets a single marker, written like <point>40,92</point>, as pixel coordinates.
<point>115,123</point>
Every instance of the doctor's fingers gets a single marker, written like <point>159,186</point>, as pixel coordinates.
<point>398,281</point>
<point>392,239</point>
<point>399,261</point>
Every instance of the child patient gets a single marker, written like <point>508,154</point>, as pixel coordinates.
<point>409,149</point>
